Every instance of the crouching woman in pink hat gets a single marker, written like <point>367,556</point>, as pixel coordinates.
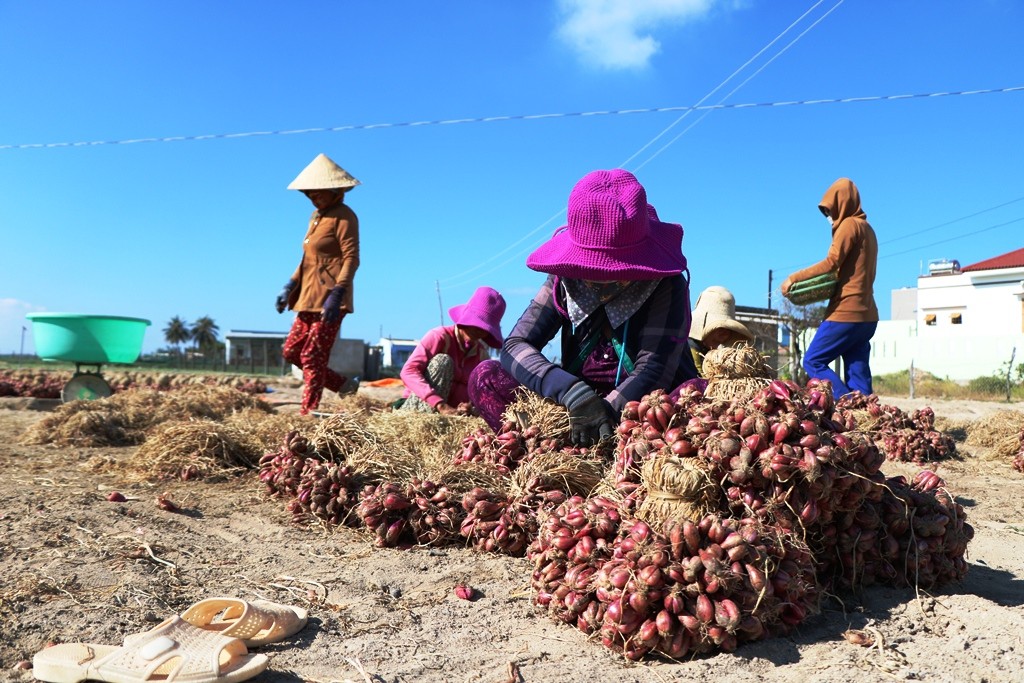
<point>437,373</point>
<point>617,294</point>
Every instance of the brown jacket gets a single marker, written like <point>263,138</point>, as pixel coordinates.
<point>330,256</point>
<point>853,255</point>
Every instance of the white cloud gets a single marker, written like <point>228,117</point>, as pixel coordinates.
<point>617,34</point>
<point>12,320</point>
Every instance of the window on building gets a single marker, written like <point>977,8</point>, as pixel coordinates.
<point>929,319</point>
<point>956,318</point>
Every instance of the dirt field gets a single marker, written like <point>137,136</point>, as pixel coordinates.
<point>77,568</point>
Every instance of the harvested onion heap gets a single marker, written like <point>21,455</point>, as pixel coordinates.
<point>908,438</point>
<point>721,521</point>
<point>697,588</point>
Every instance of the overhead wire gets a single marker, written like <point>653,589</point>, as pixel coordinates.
<point>747,80</point>
<point>515,117</point>
<point>460,277</point>
<point>923,230</point>
<point>953,239</point>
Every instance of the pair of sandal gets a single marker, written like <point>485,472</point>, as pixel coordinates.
<point>208,643</point>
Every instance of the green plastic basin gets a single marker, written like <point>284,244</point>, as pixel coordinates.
<point>87,338</point>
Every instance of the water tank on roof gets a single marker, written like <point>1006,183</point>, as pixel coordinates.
<point>943,266</point>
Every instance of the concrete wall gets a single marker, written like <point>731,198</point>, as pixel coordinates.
<point>347,358</point>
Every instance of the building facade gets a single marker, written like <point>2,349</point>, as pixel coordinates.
<point>967,321</point>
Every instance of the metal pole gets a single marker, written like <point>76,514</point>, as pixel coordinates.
<point>911,378</point>
<point>437,286</point>
<point>22,351</point>
<point>769,289</point>
<point>1009,370</point>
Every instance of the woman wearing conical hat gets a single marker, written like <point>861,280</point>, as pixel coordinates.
<point>320,289</point>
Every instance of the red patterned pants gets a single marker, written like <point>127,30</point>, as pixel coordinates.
<point>308,346</point>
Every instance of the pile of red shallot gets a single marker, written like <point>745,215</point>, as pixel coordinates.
<point>908,438</point>
<point>800,506</point>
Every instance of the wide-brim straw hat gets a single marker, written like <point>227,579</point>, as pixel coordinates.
<point>323,174</point>
<point>483,311</point>
<point>611,234</point>
<point>715,310</point>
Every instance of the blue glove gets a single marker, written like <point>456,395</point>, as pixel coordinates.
<point>591,418</point>
<point>332,305</point>
<point>282,298</point>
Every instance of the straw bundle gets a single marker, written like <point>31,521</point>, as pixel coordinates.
<point>999,431</point>
<point>677,489</point>
<point>465,476</point>
<point>530,409</point>
<point>736,362</point>
<point>336,437</point>
<point>194,449</point>
<point>576,475</point>
<point>268,429</point>
<point>735,373</point>
<point>353,403</point>
<point>126,418</point>
<point>432,438</point>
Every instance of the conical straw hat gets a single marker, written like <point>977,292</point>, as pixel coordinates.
<point>322,174</point>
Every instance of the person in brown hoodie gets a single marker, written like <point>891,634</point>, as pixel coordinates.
<point>320,290</point>
<point>851,316</point>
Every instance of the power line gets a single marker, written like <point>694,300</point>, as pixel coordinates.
<point>953,239</point>
<point>924,230</point>
<point>516,117</point>
<point>955,220</point>
<point>463,274</point>
<point>747,80</point>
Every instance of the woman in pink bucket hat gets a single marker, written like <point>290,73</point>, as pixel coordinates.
<point>617,293</point>
<point>437,373</point>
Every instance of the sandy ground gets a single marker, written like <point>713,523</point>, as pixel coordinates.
<point>77,568</point>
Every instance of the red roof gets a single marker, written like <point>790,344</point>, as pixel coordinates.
<point>1011,259</point>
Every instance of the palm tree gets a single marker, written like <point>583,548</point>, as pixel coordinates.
<point>177,333</point>
<point>204,332</point>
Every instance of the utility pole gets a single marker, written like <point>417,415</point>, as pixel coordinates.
<point>769,289</point>
<point>437,286</point>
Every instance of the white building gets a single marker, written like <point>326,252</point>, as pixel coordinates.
<point>394,352</point>
<point>967,322</point>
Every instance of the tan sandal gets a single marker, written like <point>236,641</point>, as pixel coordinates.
<point>255,623</point>
<point>172,652</point>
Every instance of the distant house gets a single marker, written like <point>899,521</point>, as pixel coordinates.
<point>260,351</point>
<point>394,352</point>
<point>965,322</point>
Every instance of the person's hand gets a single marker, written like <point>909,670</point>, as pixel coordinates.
<point>332,305</point>
<point>445,409</point>
<point>282,298</point>
<point>590,417</point>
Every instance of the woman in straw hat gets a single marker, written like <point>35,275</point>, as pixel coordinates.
<point>617,294</point>
<point>436,376</point>
<point>320,289</point>
<point>715,324</point>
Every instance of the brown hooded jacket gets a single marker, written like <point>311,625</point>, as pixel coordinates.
<point>853,255</point>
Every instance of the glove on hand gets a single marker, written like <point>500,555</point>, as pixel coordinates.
<point>332,305</point>
<point>590,417</point>
<point>282,298</point>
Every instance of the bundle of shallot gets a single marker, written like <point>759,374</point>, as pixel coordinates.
<point>281,471</point>
<point>383,509</point>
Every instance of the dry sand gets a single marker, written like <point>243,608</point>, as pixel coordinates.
<point>78,568</point>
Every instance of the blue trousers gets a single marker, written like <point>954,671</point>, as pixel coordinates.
<point>852,343</point>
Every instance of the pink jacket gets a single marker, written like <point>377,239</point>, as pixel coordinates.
<point>442,340</point>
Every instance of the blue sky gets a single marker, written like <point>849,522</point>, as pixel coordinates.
<point>206,227</point>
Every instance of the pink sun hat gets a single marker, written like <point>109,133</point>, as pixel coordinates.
<point>612,234</point>
<point>483,310</point>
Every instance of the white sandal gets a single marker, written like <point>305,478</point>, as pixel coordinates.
<point>172,652</point>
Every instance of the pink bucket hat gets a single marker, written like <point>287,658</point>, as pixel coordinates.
<point>483,310</point>
<point>612,234</point>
